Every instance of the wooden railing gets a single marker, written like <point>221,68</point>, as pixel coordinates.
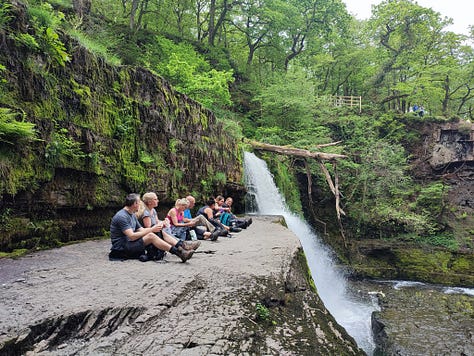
<point>348,101</point>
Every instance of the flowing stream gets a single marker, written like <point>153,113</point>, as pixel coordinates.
<point>350,310</point>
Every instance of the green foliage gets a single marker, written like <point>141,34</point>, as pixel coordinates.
<point>54,47</point>
<point>263,314</point>
<point>446,240</point>
<point>47,21</point>
<point>430,199</point>
<point>95,46</point>
<point>12,130</point>
<point>63,150</point>
<point>288,103</point>
<point>5,16</point>
<point>376,184</point>
<point>45,16</point>
<point>220,178</point>
<point>26,40</point>
<point>5,219</point>
<point>191,74</point>
<point>146,158</point>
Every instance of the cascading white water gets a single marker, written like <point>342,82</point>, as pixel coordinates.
<point>353,314</point>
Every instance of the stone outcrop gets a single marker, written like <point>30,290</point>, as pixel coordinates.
<point>102,131</point>
<point>423,312</point>
<point>251,294</point>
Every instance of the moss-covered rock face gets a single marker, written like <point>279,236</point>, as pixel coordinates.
<point>102,132</point>
<point>379,259</point>
<point>291,318</point>
<point>444,153</point>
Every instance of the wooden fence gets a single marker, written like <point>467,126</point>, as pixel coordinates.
<point>348,101</point>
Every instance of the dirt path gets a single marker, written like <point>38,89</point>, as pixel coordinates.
<point>74,300</point>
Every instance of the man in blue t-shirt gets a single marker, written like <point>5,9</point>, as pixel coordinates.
<point>199,219</point>
<point>129,239</point>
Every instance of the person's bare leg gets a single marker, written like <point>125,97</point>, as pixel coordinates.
<point>169,238</point>
<point>151,238</point>
<point>173,241</point>
<point>182,253</point>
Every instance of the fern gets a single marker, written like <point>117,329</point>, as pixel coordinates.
<point>12,130</point>
<point>5,16</point>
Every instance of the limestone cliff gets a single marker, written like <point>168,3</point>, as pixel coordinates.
<point>102,131</point>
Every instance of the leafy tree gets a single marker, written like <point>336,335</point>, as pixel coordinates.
<point>411,39</point>
<point>189,72</point>
<point>257,22</point>
<point>287,103</point>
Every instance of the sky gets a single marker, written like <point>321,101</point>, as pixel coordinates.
<point>459,10</point>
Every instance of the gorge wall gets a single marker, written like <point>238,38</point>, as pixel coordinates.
<point>102,131</point>
<point>443,151</point>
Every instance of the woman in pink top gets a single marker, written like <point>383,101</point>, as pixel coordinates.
<point>180,227</point>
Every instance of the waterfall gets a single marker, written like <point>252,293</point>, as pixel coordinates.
<point>351,312</point>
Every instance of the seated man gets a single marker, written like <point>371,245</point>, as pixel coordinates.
<point>229,219</point>
<point>199,220</point>
<point>209,212</point>
<point>129,239</point>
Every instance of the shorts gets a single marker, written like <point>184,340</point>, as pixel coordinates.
<point>133,249</point>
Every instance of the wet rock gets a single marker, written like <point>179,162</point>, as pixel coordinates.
<point>422,319</point>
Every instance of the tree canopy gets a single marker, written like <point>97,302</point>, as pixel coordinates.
<point>270,69</point>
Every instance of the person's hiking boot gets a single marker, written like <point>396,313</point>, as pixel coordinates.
<point>144,258</point>
<point>249,222</point>
<point>184,254</point>
<point>235,229</point>
<point>215,234</point>
<point>223,232</point>
<point>191,245</point>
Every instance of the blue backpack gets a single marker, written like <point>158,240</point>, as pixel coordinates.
<point>226,218</point>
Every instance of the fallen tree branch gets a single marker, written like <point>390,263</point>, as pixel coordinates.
<point>320,157</point>
<point>291,151</point>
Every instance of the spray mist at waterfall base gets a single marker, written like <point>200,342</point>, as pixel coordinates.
<point>352,311</point>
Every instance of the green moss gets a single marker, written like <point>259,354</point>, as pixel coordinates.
<point>17,170</point>
<point>462,264</point>
<point>305,268</point>
<point>14,253</point>
<point>285,179</point>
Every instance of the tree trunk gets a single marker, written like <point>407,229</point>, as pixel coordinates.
<point>297,152</point>
<point>81,7</point>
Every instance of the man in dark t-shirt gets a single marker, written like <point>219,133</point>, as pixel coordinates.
<point>129,239</point>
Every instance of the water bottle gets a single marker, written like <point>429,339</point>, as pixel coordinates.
<point>193,235</point>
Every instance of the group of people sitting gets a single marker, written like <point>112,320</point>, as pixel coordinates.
<point>137,232</point>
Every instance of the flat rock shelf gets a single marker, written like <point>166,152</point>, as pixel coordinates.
<point>250,294</point>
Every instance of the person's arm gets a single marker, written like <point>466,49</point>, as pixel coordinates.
<point>225,208</point>
<point>210,213</point>
<point>146,221</point>
<point>142,231</point>
<point>174,220</point>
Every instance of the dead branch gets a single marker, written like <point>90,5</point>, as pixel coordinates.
<point>320,157</point>
<point>291,151</point>
<point>338,207</point>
